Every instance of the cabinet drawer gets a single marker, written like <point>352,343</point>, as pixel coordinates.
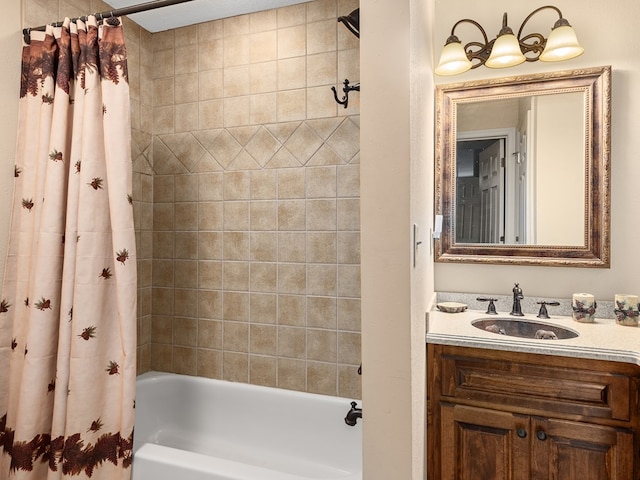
<point>514,383</point>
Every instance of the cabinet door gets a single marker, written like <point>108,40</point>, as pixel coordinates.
<point>478,443</point>
<point>564,450</point>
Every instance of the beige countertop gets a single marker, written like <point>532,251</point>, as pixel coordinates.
<point>601,340</point>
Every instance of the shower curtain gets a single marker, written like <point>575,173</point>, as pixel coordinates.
<point>68,299</point>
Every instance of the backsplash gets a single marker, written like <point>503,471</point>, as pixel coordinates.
<point>529,304</point>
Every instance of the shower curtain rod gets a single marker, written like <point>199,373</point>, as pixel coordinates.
<point>143,7</point>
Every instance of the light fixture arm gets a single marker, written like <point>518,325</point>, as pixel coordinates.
<point>476,51</point>
<point>535,42</point>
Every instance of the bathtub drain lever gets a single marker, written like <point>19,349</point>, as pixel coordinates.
<point>353,415</point>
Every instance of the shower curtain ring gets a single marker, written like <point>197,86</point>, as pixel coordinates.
<point>27,35</point>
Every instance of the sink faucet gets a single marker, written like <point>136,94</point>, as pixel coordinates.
<point>516,310</point>
<point>353,415</point>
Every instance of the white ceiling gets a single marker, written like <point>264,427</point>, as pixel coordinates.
<point>196,11</point>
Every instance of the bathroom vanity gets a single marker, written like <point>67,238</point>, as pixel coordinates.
<point>503,407</point>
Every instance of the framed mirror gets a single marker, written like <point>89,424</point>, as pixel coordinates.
<point>522,169</point>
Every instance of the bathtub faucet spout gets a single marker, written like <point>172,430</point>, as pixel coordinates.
<point>353,415</point>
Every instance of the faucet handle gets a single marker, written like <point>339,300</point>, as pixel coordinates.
<point>543,308</point>
<point>491,308</point>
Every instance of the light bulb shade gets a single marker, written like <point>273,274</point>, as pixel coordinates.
<point>562,44</point>
<point>505,52</point>
<point>453,60</point>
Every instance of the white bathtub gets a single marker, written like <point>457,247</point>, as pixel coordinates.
<point>191,428</point>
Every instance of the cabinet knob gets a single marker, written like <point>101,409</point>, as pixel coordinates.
<point>541,435</point>
<point>521,432</point>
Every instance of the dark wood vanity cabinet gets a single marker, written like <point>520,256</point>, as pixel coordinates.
<point>497,415</point>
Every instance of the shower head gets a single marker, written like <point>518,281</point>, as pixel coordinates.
<point>352,22</point>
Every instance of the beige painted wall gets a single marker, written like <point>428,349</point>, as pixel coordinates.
<point>605,33</point>
<point>396,192</point>
<point>9,77</point>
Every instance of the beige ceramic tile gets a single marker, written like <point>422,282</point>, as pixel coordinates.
<point>263,185</point>
<point>263,77</point>
<point>236,276</point>
<point>210,245</point>
<point>292,73</point>
<point>185,360</point>
<point>292,247</point>
<point>163,188</point>
<point>185,273</point>
<point>209,304</point>
<point>264,246</point>
<point>263,109</point>
<point>209,334</point>
<point>186,216</point>
<point>186,188</point>
<point>263,21</point>
<point>349,348</point>
<point>236,25</point>
<point>185,302</point>
<point>163,64</point>
<point>321,214</point>
<point>263,215</point>
<point>321,312</point>
<point>163,120</point>
<point>186,35</point>
<point>321,378</point>
<point>349,247</point>
<point>322,279</point>
<point>292,374</point>
<point>187,91</point>
<point>211,84</point>
<point>264,277</point>
<point>235,336</point>
<point>163,91</point>
<point>320,104</point>
<point>262,370</point>
<point>321,182</point>
<point>210,216</point>
<point>236,307</point>
<point>236,246</point>
<point>349,382</point>
<point>236,81</point>
<point>264,308</point>
<point>348,211</point>
<point>236,111</point>
<point>292,310</point>
<point>163,216</point>
<point>292,105</point>
<point>292,15</point>
<point>321,247</point>
<point>236,215</point>
<point>162,273</point>
<point>210,275</point>
<point>292,278</point>
<point>291,215</point>
<point>291,183</point>
<point>349,280</point>
<point>161,357</point>
<point>186,59</point>
<point>210,187</point>
<point>292,342</point>
<point>162,329</point>
<point>211,114</point>
<point>320,10</point>
<point>321,345</point>
<point>322,70</point>
<point>209,31</point>
<point>263,46</point>
<point>163,40</point>
<point>209,363</point>
<point>186,118</point>
<point>235,367</point>
<point>349,179</point>
<point>303,143</point>
<point>163,245</point>
<point>263,339</point>
<point>236,50</point>
<point>237,185</point>
<point>322,36</point>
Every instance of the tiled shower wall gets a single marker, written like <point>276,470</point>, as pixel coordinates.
<point>246,196</point>
<point>256,265</point>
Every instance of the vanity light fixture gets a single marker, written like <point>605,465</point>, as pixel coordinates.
<point>507,49</point>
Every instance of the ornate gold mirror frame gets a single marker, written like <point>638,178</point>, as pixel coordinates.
<point>595,84</point>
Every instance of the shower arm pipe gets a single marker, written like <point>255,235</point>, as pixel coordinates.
<point>143,7</point>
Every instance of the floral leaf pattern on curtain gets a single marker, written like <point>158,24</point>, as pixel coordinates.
<point>67,356</point>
